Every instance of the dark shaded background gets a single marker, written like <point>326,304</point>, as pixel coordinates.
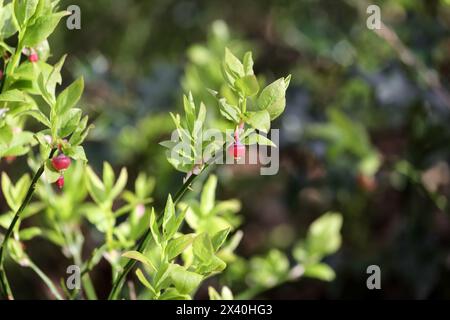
<point>133,55</point>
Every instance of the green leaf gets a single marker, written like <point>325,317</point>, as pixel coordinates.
<point>144,185</point>
<point>81,132</point>
<point>320,271</point>
<point>198,124</point>
<point>95,186</point>
<point>248,63</point>
<point>36,114</point>
<point>7,25</point>
<point>201,117</point>
<point>154,227</point>
<point>229,111</point>
<point>176,246</point>
<point>233,64</point>
<point>14,96</point>
<point>202,248</point>
<point>255,138</point>
<point>55,237</point>
<point>185,281</point>
<point>225,207</point>
<point>51,175</point>
<point>247,85</point>
<point>161,276</point>
<point>76,153</point>
<point>42,28</point>
<point>208,196</point>
<point>214,265</point>
<point>189,110</point>
<point>226,294</point>
<point>29,233</point>
<point>213,294</point>
<point>120,183</point>
<point>53,78</point>
<point>370,164</point>
<point>7,189</point>
<point>101,219</point>
<point>174,224</point>
<point>70,96</point>
<point>140,257</point>
<point>259,120</point>
<point>108,176</point>
<point>6,135</point>
<point>24,10</point>
<point>323,237</point>
<point>43,89</point>
<point>169,213</point>
<point>68,122</point>
<point>44,7</point>
<point>173,294</point>
<point>19,143</point>
<point>219,238</point>
<point>272,98</point>
<point>144,281</point>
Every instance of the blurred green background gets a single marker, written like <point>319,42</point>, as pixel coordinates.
<point>365,131</point>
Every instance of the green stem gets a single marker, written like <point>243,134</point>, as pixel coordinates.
<point>4,285</point>
<point>120,280</point>
<point>86,279</point>
<point>16,57</point>
<point>44,278</point>
<point>4,78</point>
<point>4,282</point>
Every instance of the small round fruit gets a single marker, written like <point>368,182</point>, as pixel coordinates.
<point>10,159</point>
<point>61,162</point>
<point>237,150</point>
<point>60,182</point>
<point>33,57</point>
<point>366,182</point>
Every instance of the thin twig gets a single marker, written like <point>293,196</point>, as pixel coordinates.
<point>407,56</point>
<point>44,278</point>
<point>118,283</point>
<point>120,280</point>
<point>6,289</point>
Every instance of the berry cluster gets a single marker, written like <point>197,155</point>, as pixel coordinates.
<point>61,163</point>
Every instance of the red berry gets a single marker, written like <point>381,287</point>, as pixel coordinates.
<point>10,159</point>
<point>237,150</point>
<point>60,182</point>
<point>33,57</point>
<point>61,162</point>
<point>367,183</point>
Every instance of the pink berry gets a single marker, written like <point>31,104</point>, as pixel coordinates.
<point>60,182</point>
<point>237,150</point>
<point>33,57</point>
<point>10,159</point>
<point>61,162</point>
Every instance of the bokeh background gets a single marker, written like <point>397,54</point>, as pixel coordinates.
<point>365,133</point>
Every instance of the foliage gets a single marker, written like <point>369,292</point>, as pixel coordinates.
<point>364,132</point>
<point>175,257</point>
